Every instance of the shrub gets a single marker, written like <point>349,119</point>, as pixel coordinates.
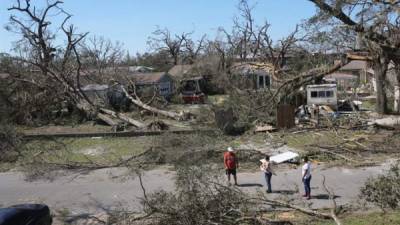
<point>10,141</point>
<point>383,190</point>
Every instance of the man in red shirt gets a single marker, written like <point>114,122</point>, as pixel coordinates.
<point>231,163</point>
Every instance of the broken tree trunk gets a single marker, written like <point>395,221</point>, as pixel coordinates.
<point>295,207</point>
<point>123,117</point>
<point>91,112</point>
<point>138,102</point>
<point>380,66</point>
<point>396,105</point>
<point>107,119</point>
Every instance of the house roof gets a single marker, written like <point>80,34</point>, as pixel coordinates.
<point>148,78</point>
<point>180,71</point>
<point>95,87</point>
<point>316,86</point>
<point>252,67</point>
<point>247,68</point>
<point>355,65</point>
<point>341,76</point>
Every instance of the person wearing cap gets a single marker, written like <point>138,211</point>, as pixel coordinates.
<point>231,163</point>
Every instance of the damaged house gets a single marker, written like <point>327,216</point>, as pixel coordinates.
<point>253,75</point>
<point>355,74</point>
<point>111,95</point>
<point>322,94</point>
<point>193,84</point>
<point>96,93</point>
<point>180,72</point>
<point>160,83</point>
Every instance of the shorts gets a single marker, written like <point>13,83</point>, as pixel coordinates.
<point>231,171</point>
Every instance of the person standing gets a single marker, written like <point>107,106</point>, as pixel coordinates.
<point>231,163</point>
<point>306,178</point>
<point>268,172</point>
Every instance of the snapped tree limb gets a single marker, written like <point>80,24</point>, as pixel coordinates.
<point>138,102</point>
<point>123,117</point>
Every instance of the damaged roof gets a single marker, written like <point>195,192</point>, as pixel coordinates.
<point>252,67</point>
<point>149,78</point>
<point>355,65</point>
<point>95,87</point>
<point>341,76</point>
<point>180,71</point>
<point>247,68</point>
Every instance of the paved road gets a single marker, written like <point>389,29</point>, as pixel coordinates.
<point>89,192</point>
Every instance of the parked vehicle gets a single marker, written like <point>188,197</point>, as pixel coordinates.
<point>192,90</point>
<point>26,214</point>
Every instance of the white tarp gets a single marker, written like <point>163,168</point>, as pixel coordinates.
<point>283,157</point>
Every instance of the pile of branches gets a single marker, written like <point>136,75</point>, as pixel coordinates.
<point>198,200</point>
<point>10,142</point>
<point>201,198</point>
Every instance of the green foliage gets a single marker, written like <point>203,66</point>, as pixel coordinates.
<point>384,190</point>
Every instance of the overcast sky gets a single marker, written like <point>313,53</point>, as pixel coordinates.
<point>132,21</point>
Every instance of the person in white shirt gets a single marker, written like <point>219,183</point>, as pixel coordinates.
<point>268,171</point>
<point>306,178</point>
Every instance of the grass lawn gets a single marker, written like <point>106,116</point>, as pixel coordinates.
<point>327,138</point>
<point>60,129</point>
<point>86,149</point>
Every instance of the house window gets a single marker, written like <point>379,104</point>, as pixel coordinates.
<point>329,94</point>
<point>322,94</point>
<point>261,82</point>
<point>164,88</point>
<point>314,94</point>
<point>267,81</point>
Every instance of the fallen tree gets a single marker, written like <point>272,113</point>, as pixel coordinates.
<point>289,86</point>
<point>123,117</point>
<point>59,65</point>
<point>138,102</point>
<point>380,33</point>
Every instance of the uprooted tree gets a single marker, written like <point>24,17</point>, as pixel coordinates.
<point>56,69</point>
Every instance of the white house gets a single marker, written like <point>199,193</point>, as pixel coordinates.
<point>322,94</point>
